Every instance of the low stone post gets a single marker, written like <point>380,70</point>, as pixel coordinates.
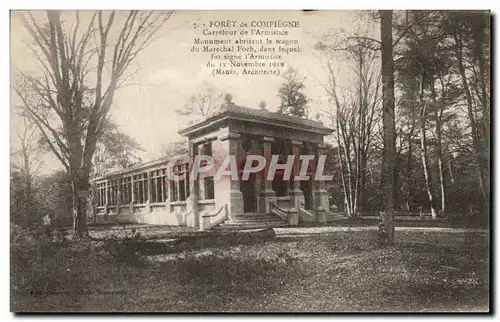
<point>320,193</point>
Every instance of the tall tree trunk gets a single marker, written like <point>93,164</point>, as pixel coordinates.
<point>476,141</point>
<point>80,178</point>
<point>389,126</point>
<point>441,172</point>
<point>439,148</point>
<point>350,190</point>
<point>441,178</point>
<point>80,186</point>
<point>450,168</point>
<point>409,178</point>
<point>28,210</point>
<point>423,147</point>
<point>341,164</point>
<point>362,162</point>
<point>362,183</point>
<point>425,164</point>
<point>361,157</point>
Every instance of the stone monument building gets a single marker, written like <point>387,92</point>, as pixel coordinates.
<point>143,193</point>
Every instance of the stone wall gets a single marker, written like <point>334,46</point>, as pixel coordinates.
<point>171,215</point>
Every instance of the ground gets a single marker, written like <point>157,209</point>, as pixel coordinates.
<point>333,269</point>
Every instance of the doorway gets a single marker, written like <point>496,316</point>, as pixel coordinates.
<point>306,187</point>
<point>248,189</point>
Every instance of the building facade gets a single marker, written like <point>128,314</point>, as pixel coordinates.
<point>144,193</point>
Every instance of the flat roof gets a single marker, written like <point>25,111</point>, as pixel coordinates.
<point>163,161</point>
<point>260,116</point>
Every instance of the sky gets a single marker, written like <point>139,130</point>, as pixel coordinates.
<point>166,73</point>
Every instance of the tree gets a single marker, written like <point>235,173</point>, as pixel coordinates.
<point>424,63</point>
<point>175,148</point>
<point>438,73</point>
<point>203,104</point>
<point>407,129</point>
<point>26,160</point>
<point>54,198</point>
<point>355,117</point>
<point>115,150</point>
<point>293,100</point>
<point>82,66</point>
<point>389,155</point>
<point>436,114</point>
<point>199,106</point>
<point>470,34</point>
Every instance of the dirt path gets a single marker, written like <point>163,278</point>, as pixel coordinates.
<point>325,230</point>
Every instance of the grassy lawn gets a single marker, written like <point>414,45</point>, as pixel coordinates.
<point>337,271</point>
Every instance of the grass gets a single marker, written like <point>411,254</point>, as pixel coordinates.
<point>334,272</point>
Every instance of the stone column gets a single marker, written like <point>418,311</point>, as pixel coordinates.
<point>267,194</point>
<point>118,195</point>
<point>171,197</point>
<point>132,193</point>
<point>106,202</point>
<point>94,201</point>
<point>320,194</point>
<point>257,147</point>
<point>178,185</point>
<point>227,190</point>
<point>150,193</point>
<point>192,219</point>
<point>199,150</point>
<point>296,194</point>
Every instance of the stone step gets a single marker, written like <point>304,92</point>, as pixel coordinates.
<point>252,222</point>
<point>225,226</point>
<point>259,219</point>
<point>239,222</point>
<point>255,214</point>
<point>335,216</point>
<point>269,223</point>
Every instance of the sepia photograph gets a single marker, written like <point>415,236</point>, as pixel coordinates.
<point>183,161</point>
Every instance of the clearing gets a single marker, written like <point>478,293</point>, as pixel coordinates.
<point>331,269</point>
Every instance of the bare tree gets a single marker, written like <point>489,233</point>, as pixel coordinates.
<point>83,65</point>
<point>355,119</point>
<point>203,104</point>
<point>27,157</point>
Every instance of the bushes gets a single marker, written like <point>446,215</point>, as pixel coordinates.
<point>29,251</point>
<point>43,265</point>
<point>48,197</point>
